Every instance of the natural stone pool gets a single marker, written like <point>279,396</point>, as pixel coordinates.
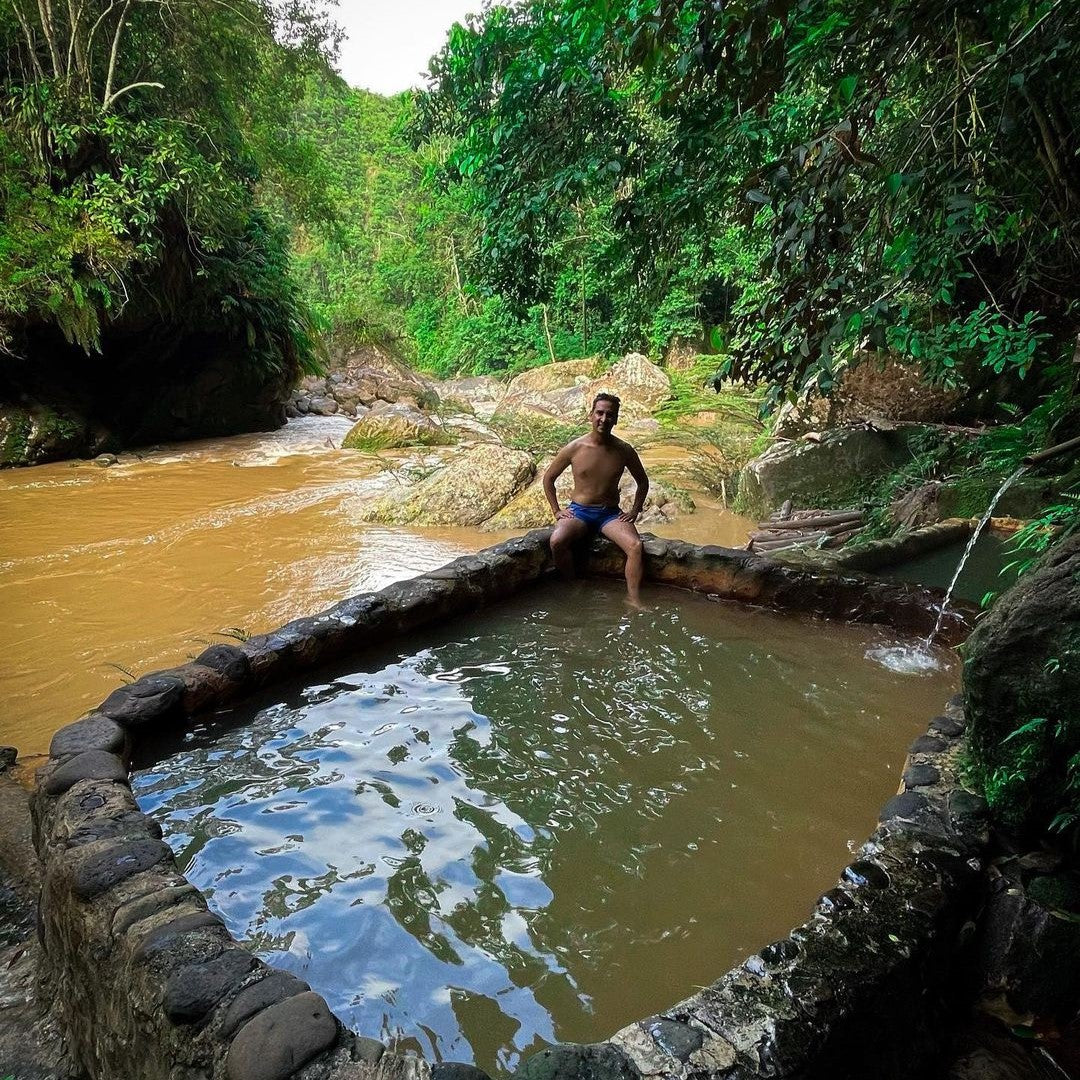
<point>543,822</point>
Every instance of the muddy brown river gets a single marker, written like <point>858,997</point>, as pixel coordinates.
<point>111,572</point>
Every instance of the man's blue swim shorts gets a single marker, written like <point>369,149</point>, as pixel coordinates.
<point>596,517</point>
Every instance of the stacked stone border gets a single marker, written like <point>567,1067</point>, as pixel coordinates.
<point>149,983</point>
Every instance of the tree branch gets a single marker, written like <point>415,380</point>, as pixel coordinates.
<point>106,98</point>
<point>106,105</point>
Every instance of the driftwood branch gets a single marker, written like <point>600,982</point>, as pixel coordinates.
<point>813,522</point>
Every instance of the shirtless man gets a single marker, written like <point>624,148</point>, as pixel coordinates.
<point>597,461</point>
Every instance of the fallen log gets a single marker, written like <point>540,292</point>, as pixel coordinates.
<point>824,519</point>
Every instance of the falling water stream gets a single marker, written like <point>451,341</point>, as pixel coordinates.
<point>967,551</point>
<point>918,658</point>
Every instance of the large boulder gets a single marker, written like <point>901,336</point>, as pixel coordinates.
<point>641,386</point>
<point>558,376</point>
<point>874,387</point>
<point>467,491</point>
<point>31,434</point>
<point>385,426</point>
<point>371,374</point>
<point>479,394</point>
<point>827,472</point>
<point>1022,676</point>
<point>529,508</point>
<point>540,393</point>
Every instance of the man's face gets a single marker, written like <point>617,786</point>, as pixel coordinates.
<point>603,417</point>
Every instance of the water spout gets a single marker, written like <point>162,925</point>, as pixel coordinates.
<point>967,551</point>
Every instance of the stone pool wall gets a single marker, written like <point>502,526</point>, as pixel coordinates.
<point>149,983</point>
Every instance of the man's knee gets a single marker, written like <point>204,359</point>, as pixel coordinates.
<point>561,540</point>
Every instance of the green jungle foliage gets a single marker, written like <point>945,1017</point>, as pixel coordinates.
<point>135,137</point>
<point>813,176</point>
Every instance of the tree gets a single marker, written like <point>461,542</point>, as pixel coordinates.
<point>907,169</point>
<point>135,136</point>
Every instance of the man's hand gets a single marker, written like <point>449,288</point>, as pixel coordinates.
<point>629,516</point>
<point>562,515</point>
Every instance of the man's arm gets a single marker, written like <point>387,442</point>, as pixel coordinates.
<point>557,467</point>
<point>637,471</point>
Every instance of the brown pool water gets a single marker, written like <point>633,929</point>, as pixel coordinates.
<point>106,572</point>
<point>544,821</point>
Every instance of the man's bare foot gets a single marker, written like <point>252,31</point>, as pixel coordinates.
<point>635,603</point>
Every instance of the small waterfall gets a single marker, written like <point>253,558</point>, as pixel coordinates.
<point>918,659</point>
<point>967,551</point>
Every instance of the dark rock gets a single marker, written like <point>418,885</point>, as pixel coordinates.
<point>1043,862</point>
<point>967,811</point>
<point>957,701</point>
<point>132,824</point>
<point>456,1070</point>
<point>909,806</point>
<point>93,732</point>
<point>192,992</point>
<point>947,726</point>
<point>153,697</point>
<point>864,872</point>
<point>281,1039</point>
<point>780,952</point>
<point>1030,953</point>
<point>142,907</point>
<point>161,937</point>
<point>229,660</point>
<point>8,757</point>
<point>678,1040</point>
<point>260,995</point>
<point>90,765</point>
<point>1021,662</point>
<point>927,744</point>
<point>105,460</point>
<point>369,1051</point>
<point>835,900</point>
<point>598,1061</point>
<point>921,776</point>
<point>1056,892</point>
<point>94,872</point>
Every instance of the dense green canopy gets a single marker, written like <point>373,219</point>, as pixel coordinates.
<point>873,172</point>
<point>134,137</point>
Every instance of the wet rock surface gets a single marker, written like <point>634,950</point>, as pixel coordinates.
<point>1022,663</point>
<point>281,1039</point>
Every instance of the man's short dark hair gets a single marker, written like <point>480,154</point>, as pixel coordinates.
<point>606,397</point>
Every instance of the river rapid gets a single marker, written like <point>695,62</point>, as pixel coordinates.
<point>108,573</point>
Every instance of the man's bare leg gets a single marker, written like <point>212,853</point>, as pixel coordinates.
<point>567,532</point>
<point>626,536</point>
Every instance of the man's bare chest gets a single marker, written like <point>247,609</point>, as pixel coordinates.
<point>597,464</point>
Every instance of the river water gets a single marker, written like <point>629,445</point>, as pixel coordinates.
<point>108,573</point>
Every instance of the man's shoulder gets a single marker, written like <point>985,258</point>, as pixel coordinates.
<point>623,446</point>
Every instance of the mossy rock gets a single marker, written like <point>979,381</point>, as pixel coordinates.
<point>387,426</point>
<point>472,487</point>
<point>1021,686</point>
<point>31,435</point>
<point>832,472</point>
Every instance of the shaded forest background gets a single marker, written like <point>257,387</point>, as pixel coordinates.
<point>785,184</point>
